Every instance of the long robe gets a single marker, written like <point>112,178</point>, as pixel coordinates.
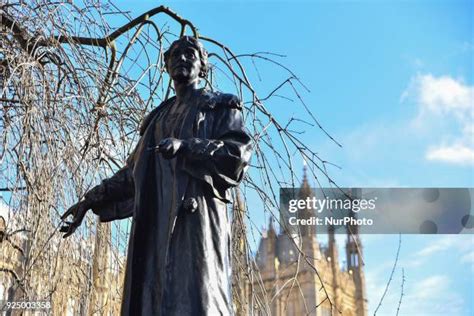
<point>178,259</point>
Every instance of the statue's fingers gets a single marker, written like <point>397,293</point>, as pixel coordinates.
<point>81,213</point>
<point>70,211</point>
<point>64,229</point>
<point>66,214</point>
<point>70,231</point>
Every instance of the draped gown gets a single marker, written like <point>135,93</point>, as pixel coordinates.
<point>178,259</point>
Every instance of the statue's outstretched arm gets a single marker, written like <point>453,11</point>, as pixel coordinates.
<point>118,187</point>
<point>110,200</point>
<point>113,198</point>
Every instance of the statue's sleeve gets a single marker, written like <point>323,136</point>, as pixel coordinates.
<point>114,197</point>
<point>221,161</point>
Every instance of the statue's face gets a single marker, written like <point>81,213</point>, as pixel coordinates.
<point>184,64</point>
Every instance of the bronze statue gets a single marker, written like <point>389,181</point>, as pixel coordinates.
<point>193,149</point>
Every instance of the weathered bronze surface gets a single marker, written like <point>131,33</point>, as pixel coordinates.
<point>193,149</point>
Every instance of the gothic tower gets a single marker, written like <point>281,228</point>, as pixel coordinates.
<point>307,233</point>
<point>281,264</point>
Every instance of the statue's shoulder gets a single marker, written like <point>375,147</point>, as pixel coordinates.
<point>150,116</point>
<point>214,100</point>
<point>209,100</point>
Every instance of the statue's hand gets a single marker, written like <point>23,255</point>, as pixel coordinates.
<point>169,147</point>
<point>78,211</point>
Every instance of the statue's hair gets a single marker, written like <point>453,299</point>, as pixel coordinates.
<point>197,45</point>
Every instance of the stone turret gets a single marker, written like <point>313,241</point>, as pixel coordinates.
<point>306,192</point>
<point>271,248</point>
<point>308,242</point>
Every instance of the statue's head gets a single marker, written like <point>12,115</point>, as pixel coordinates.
<point>186,60</point>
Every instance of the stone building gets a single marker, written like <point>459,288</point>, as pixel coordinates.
<point>301,276</point>
<point>77,281</point>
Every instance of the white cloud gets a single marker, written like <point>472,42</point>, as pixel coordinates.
<point>448,104</point>
<point>430,286</point>
<point>429,289</point>
<point>457,154</point>
<point>443,94</point>
<point>433,295</point>
<point>459,246</point>
<point>456,245</point>
<point>448,242</point>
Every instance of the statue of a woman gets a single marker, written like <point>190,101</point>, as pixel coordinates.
<point>193,149</point>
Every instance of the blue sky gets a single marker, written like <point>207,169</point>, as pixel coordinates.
<point>393,82</point>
